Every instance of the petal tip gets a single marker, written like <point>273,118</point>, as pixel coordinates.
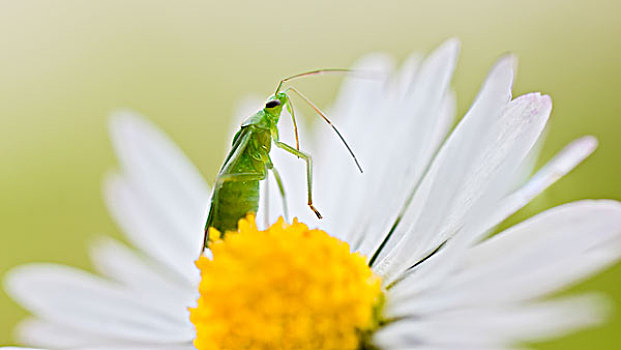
<point>508,61</point>
<point>452,44</point>
<point>588,142</point>
<point>122,117</point>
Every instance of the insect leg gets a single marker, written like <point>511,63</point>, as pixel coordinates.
<point>309,171</point>
<point>266,205</point>
<point>270,165</point>
<point>281,188</point>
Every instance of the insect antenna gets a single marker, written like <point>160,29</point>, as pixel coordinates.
<point>310,73</point>
<point>290,109</point>
<point>318,111</point>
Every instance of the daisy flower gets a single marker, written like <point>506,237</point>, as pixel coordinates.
<point>405,258</point>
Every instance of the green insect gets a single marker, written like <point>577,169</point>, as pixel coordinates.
<point>236,190</point>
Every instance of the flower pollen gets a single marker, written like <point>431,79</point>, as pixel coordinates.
<point>287,287</point>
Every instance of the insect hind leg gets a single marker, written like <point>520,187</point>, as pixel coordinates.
<point>281,189</point>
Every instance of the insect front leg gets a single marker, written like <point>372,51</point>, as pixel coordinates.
<point>309,172</point>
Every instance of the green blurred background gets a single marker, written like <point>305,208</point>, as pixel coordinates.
<point>64,65</point>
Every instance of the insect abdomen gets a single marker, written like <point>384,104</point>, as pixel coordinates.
<point>233,201</point>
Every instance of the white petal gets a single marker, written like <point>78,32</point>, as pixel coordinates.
<point>121,264</point>
<point>356,94</point>
<point>162,178</point>
<point>150,229</point>
<point>420,122</point>
<point>142,148</point>
<point>38,333</point>
<point>436,268</point>
<point>565,161</point>
<point>186,346</point>
<point>467,177</point>
<point>539,256</point>
<point>449,347</point>
<point>424,277</point>
<point>494,95</point>
<point>526,169</point>
<point>546,253</point>
<point>356,111</point>
<point>500,326</point>
<point>79,300</point>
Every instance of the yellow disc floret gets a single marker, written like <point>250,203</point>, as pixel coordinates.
<point>287,287</point>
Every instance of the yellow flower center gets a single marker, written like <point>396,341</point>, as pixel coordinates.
<point>287,287</point>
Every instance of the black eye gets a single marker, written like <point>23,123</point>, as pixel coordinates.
<point>272,104</point>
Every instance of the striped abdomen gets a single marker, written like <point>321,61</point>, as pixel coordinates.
<point>231,202</point>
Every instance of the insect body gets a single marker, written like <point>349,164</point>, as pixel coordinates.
<point>236,190</point>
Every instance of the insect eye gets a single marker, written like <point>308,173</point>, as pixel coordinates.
<point>272,104</point>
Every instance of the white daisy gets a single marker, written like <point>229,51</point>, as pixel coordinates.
<point>421,214</point>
